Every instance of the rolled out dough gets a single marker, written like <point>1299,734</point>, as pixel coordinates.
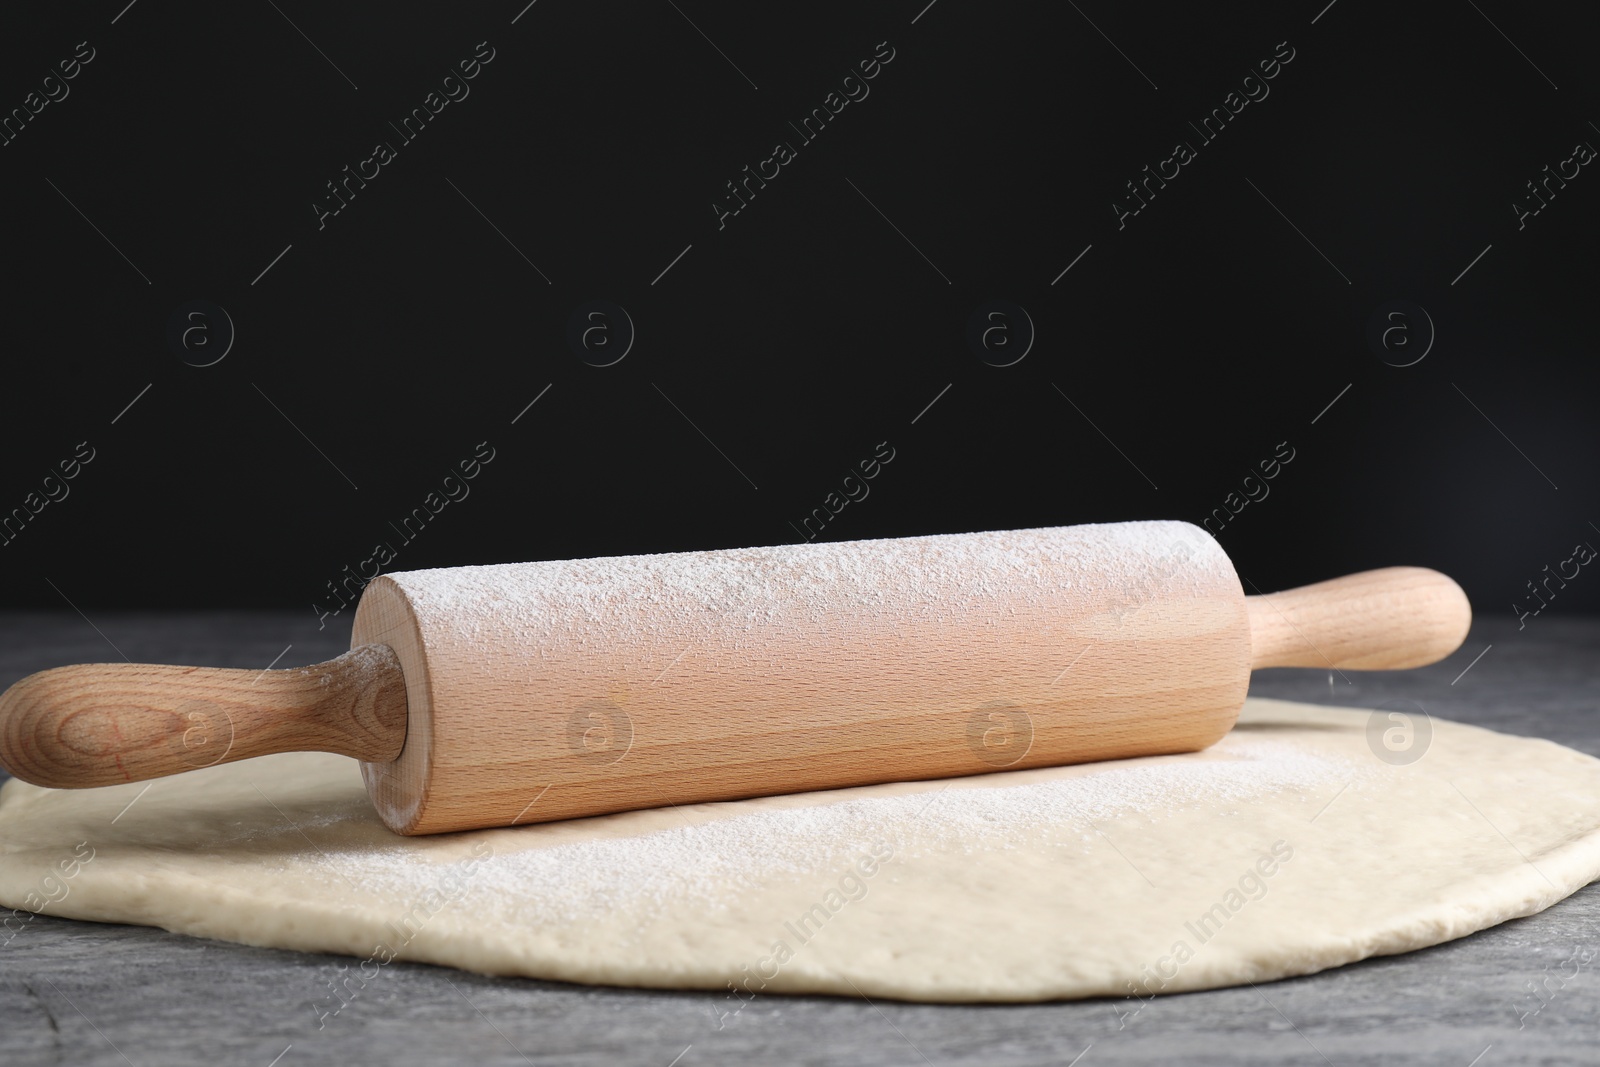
<point>1287,848</point>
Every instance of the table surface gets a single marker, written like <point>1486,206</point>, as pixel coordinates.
<point>91,993</point>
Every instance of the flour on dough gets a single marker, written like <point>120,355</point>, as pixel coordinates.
<point>1285,849</point>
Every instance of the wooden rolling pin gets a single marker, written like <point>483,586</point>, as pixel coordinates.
<point>500,695</point>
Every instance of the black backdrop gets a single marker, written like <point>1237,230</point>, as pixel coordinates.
<point>172,188</point>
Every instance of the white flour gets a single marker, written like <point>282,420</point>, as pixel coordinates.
<point>622,599</point>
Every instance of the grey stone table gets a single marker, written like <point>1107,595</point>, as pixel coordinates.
<point>88,993</point>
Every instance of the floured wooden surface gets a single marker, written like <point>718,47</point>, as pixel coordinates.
<point>1287,848</point>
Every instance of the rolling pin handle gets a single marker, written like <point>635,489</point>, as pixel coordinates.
<point>110,723</point>
<point>1388,619</point>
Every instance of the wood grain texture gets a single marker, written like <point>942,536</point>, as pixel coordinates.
<point>697,707</point>
<point>107,723</point>
<point>1389,619</point>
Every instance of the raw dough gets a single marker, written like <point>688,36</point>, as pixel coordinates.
<point>1287,848</point>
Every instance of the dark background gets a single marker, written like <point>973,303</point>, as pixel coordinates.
<point>778,351</point>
